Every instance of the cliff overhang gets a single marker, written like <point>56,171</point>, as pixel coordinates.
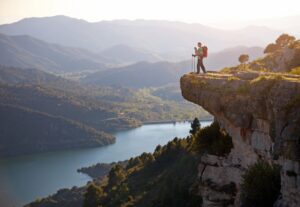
<point>261,111</point>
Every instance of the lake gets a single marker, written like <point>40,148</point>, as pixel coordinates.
<point>25,178</point>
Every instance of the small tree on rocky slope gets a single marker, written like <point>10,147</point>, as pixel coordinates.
<point>243,59</point>
<point>260,185</point>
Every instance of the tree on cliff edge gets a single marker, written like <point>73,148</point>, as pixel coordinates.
<point>243,58</point>
<point>92,196</point>
<point>195,125</point>
<point>284,39</point>
<point>281,42</point>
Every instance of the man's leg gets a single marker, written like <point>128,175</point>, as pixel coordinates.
<point>202,65</point>
<point>198,66</point>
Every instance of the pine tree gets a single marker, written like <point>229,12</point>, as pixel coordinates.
<point>195,125</point>
<point>92,196</point>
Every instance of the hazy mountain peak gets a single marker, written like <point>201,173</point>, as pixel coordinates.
<point>173,40</point>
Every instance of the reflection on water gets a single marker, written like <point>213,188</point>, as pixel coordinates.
<point>26,178</point>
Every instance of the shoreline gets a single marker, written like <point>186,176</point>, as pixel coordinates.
<point>175,121</point>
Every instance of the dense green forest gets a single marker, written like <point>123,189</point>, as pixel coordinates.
<point>166,177</point>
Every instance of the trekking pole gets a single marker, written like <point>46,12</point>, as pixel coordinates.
<point>192,66</point>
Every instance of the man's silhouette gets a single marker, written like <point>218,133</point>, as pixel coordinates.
<point>199,54</point>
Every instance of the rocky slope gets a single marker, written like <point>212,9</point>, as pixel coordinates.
<point>261,111</point>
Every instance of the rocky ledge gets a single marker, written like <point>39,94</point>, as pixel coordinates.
<point>261,111</point>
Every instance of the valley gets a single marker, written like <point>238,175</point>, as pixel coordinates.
<point>112,114</point>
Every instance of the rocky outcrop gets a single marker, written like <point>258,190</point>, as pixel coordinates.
<point>261,111</point>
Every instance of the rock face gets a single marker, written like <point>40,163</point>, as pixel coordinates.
<point>261,111</point>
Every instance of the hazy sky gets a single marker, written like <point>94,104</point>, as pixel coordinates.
<point>199,11</point>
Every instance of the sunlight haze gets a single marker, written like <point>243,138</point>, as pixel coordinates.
<point>192,11</point>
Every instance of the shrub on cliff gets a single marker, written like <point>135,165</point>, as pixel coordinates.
<point>260,185</point>
<point>282,41</point>
<point>271,48</point>
<point>92,196</point>
<point>285,39</point>
<point>213,140</point>
<point>295,71</point>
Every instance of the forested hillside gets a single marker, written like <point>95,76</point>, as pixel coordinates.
<point>26,131</point>
<point>107,109</point>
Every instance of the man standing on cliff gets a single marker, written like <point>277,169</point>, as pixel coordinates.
<point>200,54</point>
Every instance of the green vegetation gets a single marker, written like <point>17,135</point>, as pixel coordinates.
<point>260,185</point>
<point>167,177</point>
<point>295,71</point>
<point>243,58</point>
<point>36,129</point>
<point>95,111</point>
<point>282,41</point>
<point>271,48</point>
<point>232,78</point>
<point>213,140</point>
<point>195,126</point>
<point>272,60</point>
<point>92,195</point>
<point>226,70</point>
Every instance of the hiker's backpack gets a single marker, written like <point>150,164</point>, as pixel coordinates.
<point>205,51</point>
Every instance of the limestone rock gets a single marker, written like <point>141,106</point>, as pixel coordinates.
<point>261,111</point>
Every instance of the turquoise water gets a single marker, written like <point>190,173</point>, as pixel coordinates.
<point>25,178</point>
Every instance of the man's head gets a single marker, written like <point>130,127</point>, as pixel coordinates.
<point>199,44</point>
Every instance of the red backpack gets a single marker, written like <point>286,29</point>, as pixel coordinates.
<point>205,51</point>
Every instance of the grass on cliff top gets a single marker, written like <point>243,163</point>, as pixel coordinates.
<point>295,71</point>
<point>269,61</point>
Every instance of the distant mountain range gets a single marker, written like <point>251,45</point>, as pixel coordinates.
<point>229,57</point>
<point>26,51</point>
<point>145,74</point>
<point>288,24</point>
<point>31,76</point>
<point>124,54</point>
<point>139,75</point>
<point>170,40</point>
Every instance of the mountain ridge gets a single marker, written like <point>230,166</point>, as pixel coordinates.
<point>40,132</point>
<point>146,74</point>
<point>27,51</point>
<point>102,35</point>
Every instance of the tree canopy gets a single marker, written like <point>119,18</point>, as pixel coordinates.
<point>243,58</point>
<point>281,42</point>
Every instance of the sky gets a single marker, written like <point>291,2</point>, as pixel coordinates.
<point>190,11</point>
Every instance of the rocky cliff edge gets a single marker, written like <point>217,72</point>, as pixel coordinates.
<point>261,111</point>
